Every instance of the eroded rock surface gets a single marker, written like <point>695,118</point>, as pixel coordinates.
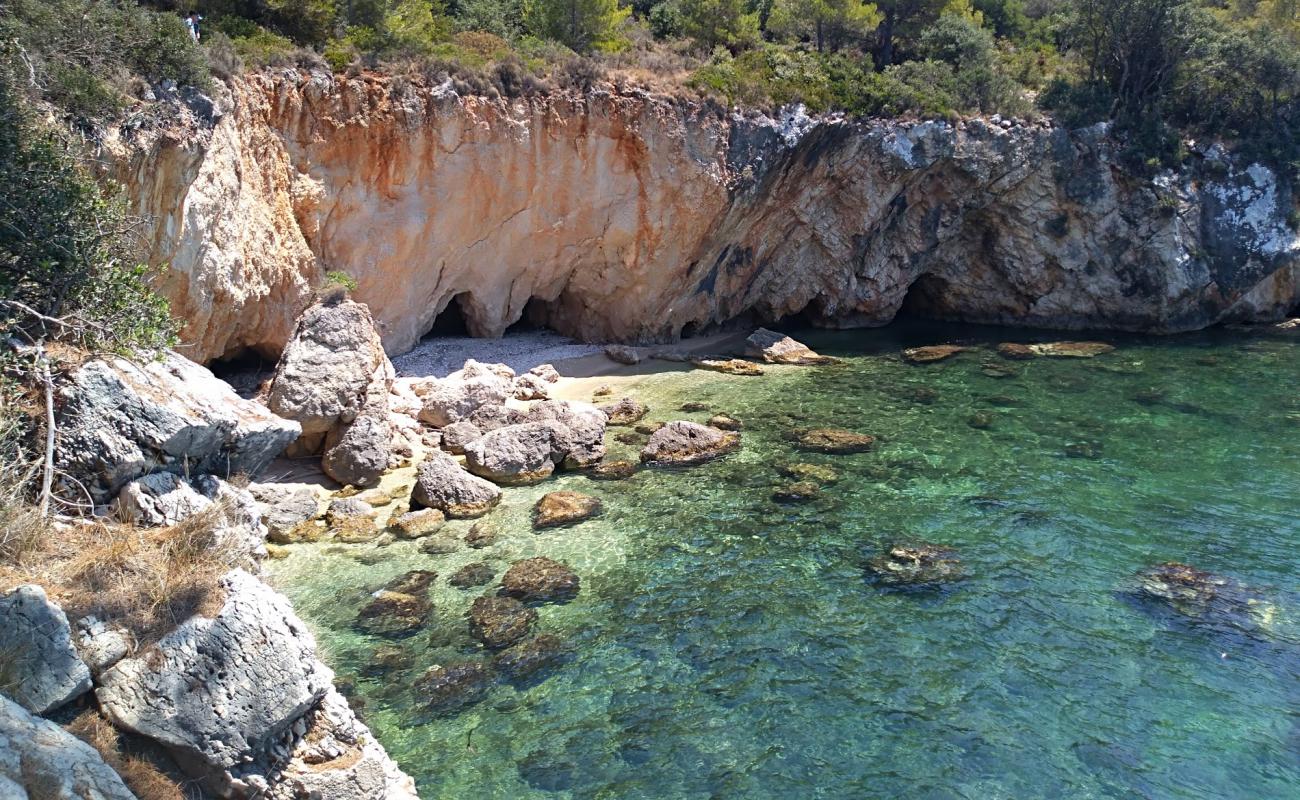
<point>683,443</point>
<point>38,665</point>
<point>441,483</point>
<point>41,761</point>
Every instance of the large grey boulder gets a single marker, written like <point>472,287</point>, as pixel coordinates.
<point>41,761</point>
<point>284,506</point>
<point>38,666</point>
<point>441,483</point>
<point>777,348</point>
<point>337,758</point>
<point>359,454</point>
<point>514,455</point>
<point>119,420</point>
<point>578,429</point>
<point>465,391</point>
<point>683,443</point>
<point>167,499</point>
<point>219,693</point>
<point>332,368</point>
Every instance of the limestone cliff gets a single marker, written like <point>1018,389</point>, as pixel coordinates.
<point>625,216</point>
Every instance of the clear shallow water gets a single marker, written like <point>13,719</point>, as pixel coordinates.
<point>725,646</point>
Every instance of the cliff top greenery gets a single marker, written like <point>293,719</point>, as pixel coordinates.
<point>1159,69</point>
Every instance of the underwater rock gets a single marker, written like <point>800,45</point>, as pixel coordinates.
<point>540,578</point>
<point>449,688</point>
<point>980,420</point>
<point>627,411</point>
<point>1071,349</point>
<point>916,565</point>
<point>923,395</point>
<point>387,658</point>
<point>612,471</point>
<point>1083,450</point>
<point>809,472</point>
<point>417,524</point>
<point>564,508</point>
<point>932,353</point>
<point>693,407</point>
<point>994,369</point>
<point>479,573</point>
<point>441,483</point>
<point>499,622</point>
<point>481,534</point>
<point>1016,351</point>
<point>355,530</point>
<point>777,348</point>
<point>525,658</point>
<point>1206,597</point>
<point>798,492</point>
<point>648,428</point>
<point>401,608</point>
<point>458,434</point>
<point>835,441</point>
<point>729,366</point>
<point>628,438</point>
<point>440,544</point>
<point>724,422</point>
<point>622,354</point>
<point>682,443</point>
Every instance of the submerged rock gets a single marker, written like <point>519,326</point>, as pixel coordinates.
<point>479,573</point>
<point>441,483</point>
<point>916,565</point>
<point>932,353</point>
<point>809,472</point>
<point>1071,349</point>
<point>449,688</point>
<point>1205,597</point>
<point>797,492</point>
<point>980,420</point>
<point>499,622</point>
<point>524,659</point>
<point>401,608</point>
<point>724,422</point>
<point>835,441</point>
<point>777,348</point>
<point>627,411</point>
<point>693,407</point>
<point>1015,351</point>
<point>39,667</point>
<point>564,508</point>
<point>682,443</point>
<point>417,524</point>
<point>729,366</point>
<point>648,428</point>
<point>482,534</point>
<point>612,471</point>
<point>540,578</point>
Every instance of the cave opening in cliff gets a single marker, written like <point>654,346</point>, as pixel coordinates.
<point>451,320</point>
<point>536,313</point>
<point>244,369</point>
<point>924,298</point>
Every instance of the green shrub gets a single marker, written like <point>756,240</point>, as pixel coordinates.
<point>337,277</point>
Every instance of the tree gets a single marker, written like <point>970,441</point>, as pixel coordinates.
<point>583,25</point>
<point>830,24</point>
<point>901,19</point>
<point>713,23</point>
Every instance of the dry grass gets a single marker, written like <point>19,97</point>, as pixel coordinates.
<point>145,580</point>
<point>143,768</point>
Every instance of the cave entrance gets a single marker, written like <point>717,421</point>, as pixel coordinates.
<point>924,298</point>
<point>536,313</point>
<point>451,321</point>
<point>245,370</point>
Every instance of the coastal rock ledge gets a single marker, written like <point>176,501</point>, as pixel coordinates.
<point>624,216</point>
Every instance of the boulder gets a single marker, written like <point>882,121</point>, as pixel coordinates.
<point>920,564</point>
<point>1205,598</point>
<point>342,508</point>
<point>932,353</point>
<point>490,418</point>
<point>777,348</point>
<point>648,428</point>
<point>482,534</point>
<point>578,429</point>
<point>167,499</point>
<point>359,453</point>
<point>449,688</point>
<point>546,372</point>
<point>684,443</point>
<point>458,434</point>
<point>441,483</point>
<point>515,455</point>
<point>41,761</point>
<point>401,608</point>
<point>530,387</point>
<point>1016,351</point>
<point>338,758</point>
<point>524,659</point>
<point>499,622</point>
<point>835,441</point>
<point>625,412</point>
<point>729,366</point>
<point>463,392</point>
<point>479,573</point>
<point>162,498</point>
<point>284,507</point>
<point>333,366</point>
<point>39,667</point>
<point>724,422</point>
<point>540,578</point>
<point>217,692</point>
<point>622,354</point>
<point>416,524</point>
<point>119,421</point>
<point>564,508</point>
<point>693,407</point>
<point>440,544</point>
<point>99,645</point>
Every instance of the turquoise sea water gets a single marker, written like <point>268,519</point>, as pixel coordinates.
<point>726,646</point>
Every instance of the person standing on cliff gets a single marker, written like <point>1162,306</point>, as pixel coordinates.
<point>192,25</point>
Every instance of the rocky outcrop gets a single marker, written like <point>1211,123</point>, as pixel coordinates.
<point>221,693</point>
<point>41,761</point>
<point>38,665</point>
<point>556,434</point>
<point>167,499</point>
<point>626,216</point>
<point>119,420</point>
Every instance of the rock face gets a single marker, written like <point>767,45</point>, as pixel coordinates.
<point>38,665</point>
<point>41,761</point>
<point>1028,224</point>
<point>119,420</point>
<point>219,692</point>
<point>440,483</point>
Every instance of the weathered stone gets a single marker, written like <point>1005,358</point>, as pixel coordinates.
<point>630,438</point>
<point>724,422</point>
<point>284,507</point>
<point>540,578</point>
<point>515,455</point>
<point>835,441</point>
<point>499,622</point>
<point>441,483</point>
<point>458,434</point>
<point>440,544</point>
<point>546,372</point>
<point>449,688</point>
<point>931,353</point>
<point>415,524</point>
<point>648,428</point>
<point>355,530</point>
<point>346,507</point>
<point>461,393</point>
<point>481,534</point>
<point>119,421</point>
<point>729,366</point>
<point>530,387</point>
<point>401,608</point>
<point>41,761</point>
<point>490,418</point>
<point>612,470</point>
<point>604,390</point>
<point>625,412</point>
<point>777,348</point>
<point>162,498</point>
<point>623,354</point>
<point>39,667</point>
<point>218,692</point>
<point>564,508</point>
<point>303,532</point>
<point>692,407</point>
<point>683,443</point>
<point>479,573</point>
<point>99,645</point>
<point>1015,351</point>
<point>578,431</point>
<point>358,455</point>
<point>916,565</point>
<point>797,492</point>
<point>524,659</point>
<point>1072,349</point>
